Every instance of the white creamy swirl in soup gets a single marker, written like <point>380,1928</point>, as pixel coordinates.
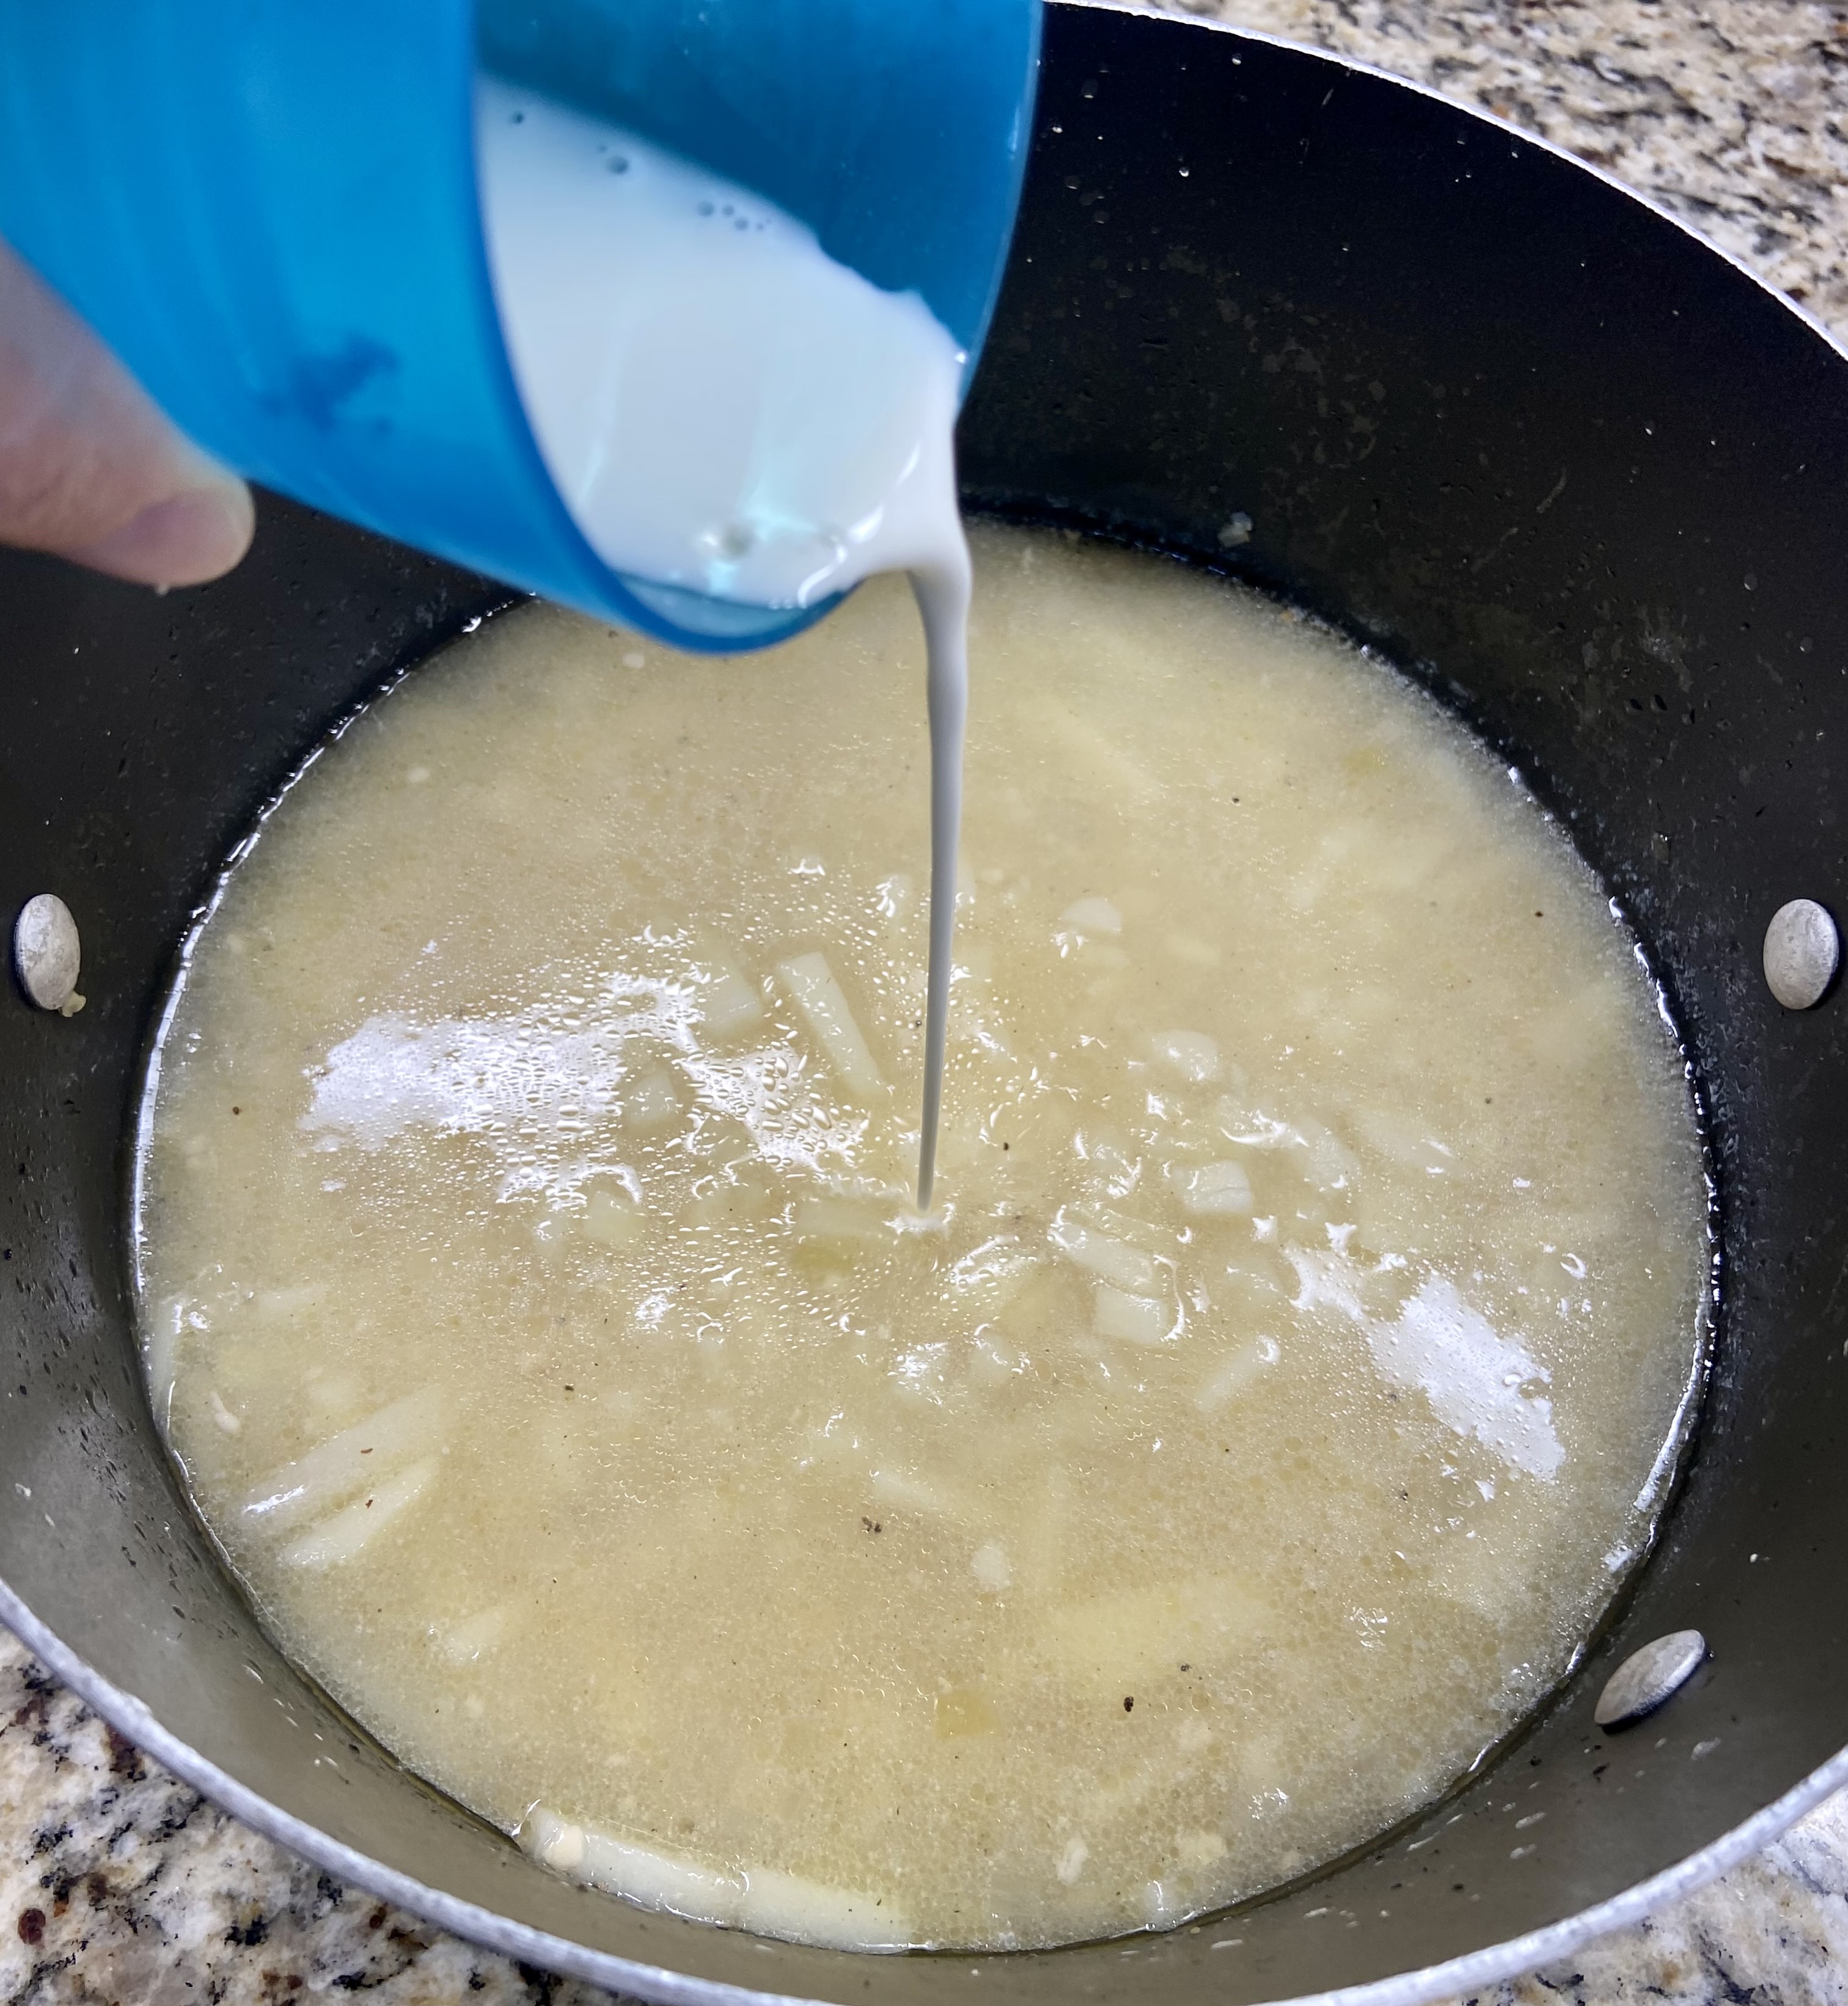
<point>1292,1367</point>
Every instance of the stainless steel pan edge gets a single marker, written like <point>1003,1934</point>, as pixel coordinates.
<point>127,1716</point>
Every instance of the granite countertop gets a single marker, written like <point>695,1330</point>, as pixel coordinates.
<point>118,1884</point>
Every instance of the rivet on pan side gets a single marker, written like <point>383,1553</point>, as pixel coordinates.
<point>1647,1677</point>
<point>47,954</point>
<point>1802,952</point>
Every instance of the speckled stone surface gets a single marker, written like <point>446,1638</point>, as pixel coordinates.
<point>1732,114</point>
<point>118,1885</point>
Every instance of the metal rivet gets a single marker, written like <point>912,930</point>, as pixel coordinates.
<point>1802,952</point>
<point>47,953</point>
<point>1647,1677</point>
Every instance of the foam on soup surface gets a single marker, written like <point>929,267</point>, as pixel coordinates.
<point>533,1290</point>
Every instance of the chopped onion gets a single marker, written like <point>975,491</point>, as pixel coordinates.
<point>1091,916</point>
<point>1137,1319</point>
<point>654,1880</point>
<point>553,1841</point>
<point>1111,1639</point>
<point>840,1219</point>
<point>993,1271</point>
<point>275,1305</point>
<point>1114,1259</point>
<point>1331,1165</point>
<point>609,1218</point>
<point>651,1102</point>
<point>351,1530</point>
<point>1402,1137</point>
<point>778,1904</point>
<point>900,1486</point>
<point>1212,1190</point>
<point>728,1004</point>
<point>334,1469</point>
<point>989,1565</point>
<point>463,1642</point>
<point>1190,947</point>
<point>1248,1128</point>
<point>811,982</point>
<point>1233,1373</point>
<point>1192,1054</point>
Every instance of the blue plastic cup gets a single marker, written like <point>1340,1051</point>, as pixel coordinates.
<point>269,210</point>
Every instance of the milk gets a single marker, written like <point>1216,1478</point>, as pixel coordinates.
<point>724,407</point>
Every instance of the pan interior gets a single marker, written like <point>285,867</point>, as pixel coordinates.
<point>1293,1368</point>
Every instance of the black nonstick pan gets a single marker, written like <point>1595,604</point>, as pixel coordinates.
<point>1427,378</point>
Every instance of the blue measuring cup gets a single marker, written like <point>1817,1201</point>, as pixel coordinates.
<point>269,211</point>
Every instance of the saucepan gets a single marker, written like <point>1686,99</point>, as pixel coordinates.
<point>1483,409</point>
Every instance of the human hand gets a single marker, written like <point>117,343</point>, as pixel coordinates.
<point>89,469</point>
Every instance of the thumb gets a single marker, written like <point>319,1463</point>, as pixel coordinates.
<point>89,469</point>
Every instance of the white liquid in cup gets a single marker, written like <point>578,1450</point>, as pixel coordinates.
<point>723,407</point>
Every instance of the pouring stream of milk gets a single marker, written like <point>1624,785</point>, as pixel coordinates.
<point>723,406</point>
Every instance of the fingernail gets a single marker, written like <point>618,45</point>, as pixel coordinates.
<point>184,540</point>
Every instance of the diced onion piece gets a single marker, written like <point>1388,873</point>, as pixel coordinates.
<point>1402,1139</point>
<point>993,1271</point>
<point>553,1842</point>
<point>654,1880</point>
<point>277,1305</point>
<point>651,1102</point>
<point>610,1217</point>
<point>349,1531</point>
<point>1212,1190</point>
<point>160,1343</point>
<point>1249,1128</point>
<point>659,1880</point>
<point>1190,947</point>
<point>1192,1054</point>
<point>811,982</point>
<point>334,1469</point>
<point>902,1487</point>
<point>1232,1375</point>
<point>1115,1260</point>
<point>989,1565</point>
<point>1329,1163</point>
<point>1110,1640</point>
<point>1136,1319</point>
<point>1091,916</point>
<point>776,1904</point>
<point>463,1642</point>
<point>729,1005</point>
<point>841,1219</point>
